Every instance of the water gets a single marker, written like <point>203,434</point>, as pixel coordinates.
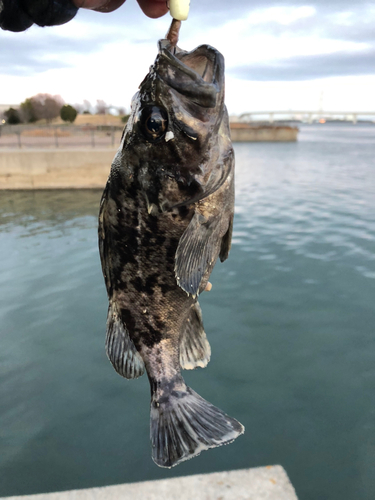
<point>290,320</point>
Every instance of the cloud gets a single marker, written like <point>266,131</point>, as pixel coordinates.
<point>18,58</point>
<point>213,12</point>
<point>224,5</point>
<point>39,50</point>
<point>349,22</point>
<point>309,67</point>
<point>319,17</point>
<point>285,41</point>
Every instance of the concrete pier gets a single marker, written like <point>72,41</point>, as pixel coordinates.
<point>262,483</point>
<point>247,132</point>
<point>64,168</point>
<point>55,169</point>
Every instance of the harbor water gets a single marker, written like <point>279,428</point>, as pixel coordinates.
<point>290,319</point>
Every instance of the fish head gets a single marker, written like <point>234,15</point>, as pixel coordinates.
<point>178,126</point>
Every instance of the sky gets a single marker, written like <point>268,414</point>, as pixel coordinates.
<point>279,55</point>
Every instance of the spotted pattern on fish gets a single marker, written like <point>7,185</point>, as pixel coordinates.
<point>166,216</point>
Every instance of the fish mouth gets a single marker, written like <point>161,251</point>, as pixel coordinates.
<point>198,75</point>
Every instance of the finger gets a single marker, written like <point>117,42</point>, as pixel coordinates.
<point>99,5</point>
<point>110,5</point>
<point>153,8</point>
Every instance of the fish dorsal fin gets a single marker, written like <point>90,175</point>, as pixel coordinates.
<point>194,347</point>
<point>120,348</point>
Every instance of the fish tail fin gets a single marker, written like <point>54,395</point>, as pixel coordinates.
<point>183,424</point>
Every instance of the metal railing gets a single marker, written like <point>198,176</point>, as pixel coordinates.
<point>59,136</point>
<point>309,116</point>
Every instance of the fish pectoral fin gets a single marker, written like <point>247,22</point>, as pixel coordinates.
<point>194,347</point>
<point>197,252</point>
<point>120,349</point>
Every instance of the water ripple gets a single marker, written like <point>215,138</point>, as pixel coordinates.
<point>290,320</point>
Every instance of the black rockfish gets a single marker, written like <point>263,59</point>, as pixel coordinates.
<point>166,216</point>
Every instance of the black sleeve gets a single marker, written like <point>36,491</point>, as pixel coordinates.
<point>18,15</point>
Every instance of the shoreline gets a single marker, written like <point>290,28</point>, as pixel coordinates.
<point>88,168</point>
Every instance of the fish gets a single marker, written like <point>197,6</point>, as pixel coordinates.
<point>166,216</point>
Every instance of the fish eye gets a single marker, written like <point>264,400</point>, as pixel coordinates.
<point>154,122</point>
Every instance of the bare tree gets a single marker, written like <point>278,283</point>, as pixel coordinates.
<point>52,107</point>
<point>86,106</point>
<point>79,107</point>
<point>101,107</point>
<point>46,106</point>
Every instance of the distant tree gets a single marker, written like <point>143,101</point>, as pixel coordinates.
<point>121,111</point>
<point>125,118</point>
<point>79,107</point>
<point>12,116</point>
<point>87,107</point>
<point>68,113</point>
<point>27,111</point>
<point>46,106</point>
<point>101,107</point>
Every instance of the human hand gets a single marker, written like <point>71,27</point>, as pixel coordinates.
<point>19,15</point>
<point>152,8</point>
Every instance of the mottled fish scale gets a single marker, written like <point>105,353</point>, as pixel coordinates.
<point>166,216</point>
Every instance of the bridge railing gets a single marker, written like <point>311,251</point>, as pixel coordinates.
<point>308,115</point>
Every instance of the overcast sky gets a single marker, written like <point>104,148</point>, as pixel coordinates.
<point>279,54</point>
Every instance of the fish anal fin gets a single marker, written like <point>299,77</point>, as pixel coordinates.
<point>195,350</point>
<point>120,348</point>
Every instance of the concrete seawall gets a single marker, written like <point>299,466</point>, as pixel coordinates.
<point>89,168</point>
<point>55,169</point>
<point>246,132</point>
<point>261,483</point>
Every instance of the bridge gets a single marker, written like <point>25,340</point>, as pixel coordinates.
<point>308,116</point>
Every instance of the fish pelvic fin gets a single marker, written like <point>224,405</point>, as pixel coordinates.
<point>120,349</point>
<point>183,425</point>
<point>195,351</point>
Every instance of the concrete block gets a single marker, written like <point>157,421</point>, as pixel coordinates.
<point>262,483</point>
<point>55,169</point>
